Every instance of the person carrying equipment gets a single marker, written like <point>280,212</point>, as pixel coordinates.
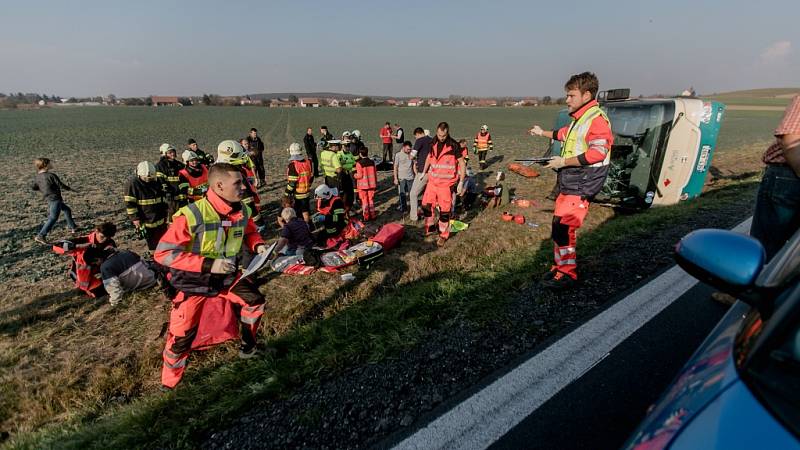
<point>167,169</point>
<point>367,181</point>
<point>582,170</point>
<point>482,144</point>
<point>331,207</point>
<point>145,204</point>
<point>299,177</point>
<point>88,254</point>
<point>193,177</point>
<point>201,249</point>
<point>331,163</point>
<point>446,169</point>
<point>232,152</point>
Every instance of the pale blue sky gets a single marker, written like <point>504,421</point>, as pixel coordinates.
<point>408,48</point>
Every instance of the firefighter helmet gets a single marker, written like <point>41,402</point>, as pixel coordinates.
<point>188,155</point>
<point>230,152</point>
<point>323,191</point>
<point>165,148</point>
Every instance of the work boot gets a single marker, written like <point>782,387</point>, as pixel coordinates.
<point>559,281</point>
<point>441,241</point>
<point>549,274</point>
<point>247,352</point>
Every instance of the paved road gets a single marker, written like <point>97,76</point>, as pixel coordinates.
<point>602,408</point>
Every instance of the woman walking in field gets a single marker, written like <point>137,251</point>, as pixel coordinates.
<point>50,186</point>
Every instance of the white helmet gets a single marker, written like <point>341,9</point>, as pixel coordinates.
<point>230,152</point>
<point>427,132</point>
<point>295,149</point>
<point>146,169</point>
<point>188,155</point>
<point>323,191</point>
<point>346,134</point>
<point>357,134</point>
<point>484,127</point>
<point>165,148</point>
<point>335,142</point>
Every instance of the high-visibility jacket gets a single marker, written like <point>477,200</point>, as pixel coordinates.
<point>145,202</point>
<point>299,177</point>
<point>200,232</point>
<point>85,268</point>
<point>366,176</point>
<point>347,161</point>
<point>443,161</point>
<point>333,211</point>
<point>588,138</point>
<point>482,142</point>
<point>329,161</point>
<point>386,135</point>
<point>194,183</point>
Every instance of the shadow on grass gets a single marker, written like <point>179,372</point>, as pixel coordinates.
<point>46,308</point>
<point>389,322</point>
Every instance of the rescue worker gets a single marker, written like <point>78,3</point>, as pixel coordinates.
<point>204,158</point>
<point>330,162</point>
<point>231,152</point>
<point>331,207</point>
<point>366,181</point>
<point>146,205</point>
<point>346,185</point>
<point>356,144</point>
<point>201,249</point>
<point>167,170</point>
<point>193,177</point>
<point>324,135</point>
<point>88,254</point>
<point>386,138</point>
<point>582,169</point>
<point>248,164</point>
<point>445,168</point>
<point>299,177</point>
<point>482,144</point>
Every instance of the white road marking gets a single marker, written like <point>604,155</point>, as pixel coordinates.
<point>482,419</point>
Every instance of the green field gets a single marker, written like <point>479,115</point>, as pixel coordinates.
<point>776,97</point>
<point>89,373</point>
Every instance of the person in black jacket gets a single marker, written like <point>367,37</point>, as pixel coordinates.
<point>167,170</point>
<point>146,205</point>
<point>204,158</point>
<point>311,150</point>
<point>257,152</point>
<point>50,186</point>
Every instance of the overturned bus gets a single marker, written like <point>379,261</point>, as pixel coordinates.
<point>662,148</point>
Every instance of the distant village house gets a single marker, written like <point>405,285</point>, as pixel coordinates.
<point>159,100</point>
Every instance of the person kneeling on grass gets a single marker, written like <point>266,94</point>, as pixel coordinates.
<point>295,235</point>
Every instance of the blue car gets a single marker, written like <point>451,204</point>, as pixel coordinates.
<point>741,389</point>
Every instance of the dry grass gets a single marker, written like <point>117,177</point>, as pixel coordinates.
<point>68,359</point>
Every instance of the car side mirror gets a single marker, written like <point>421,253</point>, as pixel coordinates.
<point>724,259</point>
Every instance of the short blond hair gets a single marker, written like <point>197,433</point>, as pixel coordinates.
<point>288,214</point>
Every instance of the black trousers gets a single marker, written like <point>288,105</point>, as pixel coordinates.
<point>258,161</point>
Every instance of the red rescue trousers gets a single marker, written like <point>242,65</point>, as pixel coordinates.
<point>367,197</point>
<point>441,196</point>
<point>570,211</point>
<point>184,322</point>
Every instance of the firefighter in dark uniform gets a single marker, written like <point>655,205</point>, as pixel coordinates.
<point>167,170</point>
<point>145,204</point>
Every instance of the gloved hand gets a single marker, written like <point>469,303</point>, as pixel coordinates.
<point>536,130</point>
<point>556,162</point>
<point>223,266</point>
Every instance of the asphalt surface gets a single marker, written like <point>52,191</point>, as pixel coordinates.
<point>601,409</point>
